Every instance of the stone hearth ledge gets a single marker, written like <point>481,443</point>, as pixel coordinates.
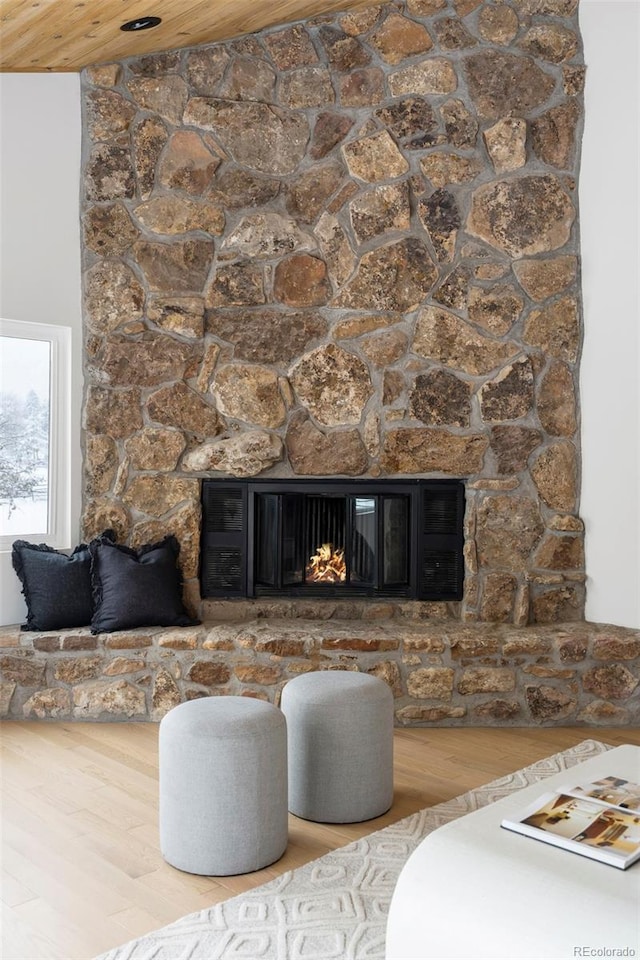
<point>442,673</point>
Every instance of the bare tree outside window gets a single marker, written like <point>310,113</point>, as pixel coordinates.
<point>25,378</point>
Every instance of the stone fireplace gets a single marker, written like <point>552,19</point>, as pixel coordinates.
<point>338,254</point>
<point>346,249</point>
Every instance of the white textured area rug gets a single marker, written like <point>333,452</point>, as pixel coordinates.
<point>334,908</point>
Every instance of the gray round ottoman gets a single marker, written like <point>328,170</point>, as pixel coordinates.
<point>223,785</point>
<point>340,736</point>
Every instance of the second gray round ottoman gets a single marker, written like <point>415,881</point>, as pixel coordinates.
<point>340,736</point>
<point>223,785</point>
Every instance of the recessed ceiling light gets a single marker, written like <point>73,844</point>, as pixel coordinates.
<point>142,23</point>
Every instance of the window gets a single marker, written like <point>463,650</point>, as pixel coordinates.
<point>34,432</point>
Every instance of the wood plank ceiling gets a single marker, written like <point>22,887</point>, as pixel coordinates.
<point>67,35</point>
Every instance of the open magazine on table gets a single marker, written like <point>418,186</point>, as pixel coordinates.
<point>600,820</point>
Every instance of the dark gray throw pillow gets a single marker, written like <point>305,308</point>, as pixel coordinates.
<point>56,585</point>
<point>137,588</point>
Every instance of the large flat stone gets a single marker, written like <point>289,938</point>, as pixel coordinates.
<point>523,216</point>
<point>425,450</point>
<point>333,384</point>
<point>394,277</point>
<point>505,85</point>
<point>283,133</point>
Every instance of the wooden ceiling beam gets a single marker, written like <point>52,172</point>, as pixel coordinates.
<point>68,35</point>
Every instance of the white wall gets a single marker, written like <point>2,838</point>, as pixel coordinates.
<point>40,262</point>
<point>40,143</point>
<point>610,366</point>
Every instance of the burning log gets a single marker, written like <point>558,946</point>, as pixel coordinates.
<point>327,565</point>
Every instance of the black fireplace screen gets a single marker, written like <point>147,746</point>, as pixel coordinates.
<point>333,538</point>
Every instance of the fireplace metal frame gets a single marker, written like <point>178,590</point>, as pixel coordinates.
<point>427,536</point>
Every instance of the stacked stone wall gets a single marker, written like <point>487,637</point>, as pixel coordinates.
<point>441,674</point>
<point>347,247</point>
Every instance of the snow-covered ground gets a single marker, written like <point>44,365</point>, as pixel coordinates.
<point>28,517</point>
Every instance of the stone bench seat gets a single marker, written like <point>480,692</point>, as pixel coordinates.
<point>441,672</point>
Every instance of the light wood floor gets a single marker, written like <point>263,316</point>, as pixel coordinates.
<point>81,867</point>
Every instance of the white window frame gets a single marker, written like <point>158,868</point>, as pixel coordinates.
<point>58,533</point>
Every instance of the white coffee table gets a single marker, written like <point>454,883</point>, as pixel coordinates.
<point>474,890</point>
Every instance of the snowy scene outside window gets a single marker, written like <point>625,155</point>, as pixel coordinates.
<point>33,414</point>
<point>24,435</point>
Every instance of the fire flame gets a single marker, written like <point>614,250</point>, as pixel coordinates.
<point>327,565</point>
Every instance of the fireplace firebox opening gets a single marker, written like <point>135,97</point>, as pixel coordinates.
<point>330,538</point>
